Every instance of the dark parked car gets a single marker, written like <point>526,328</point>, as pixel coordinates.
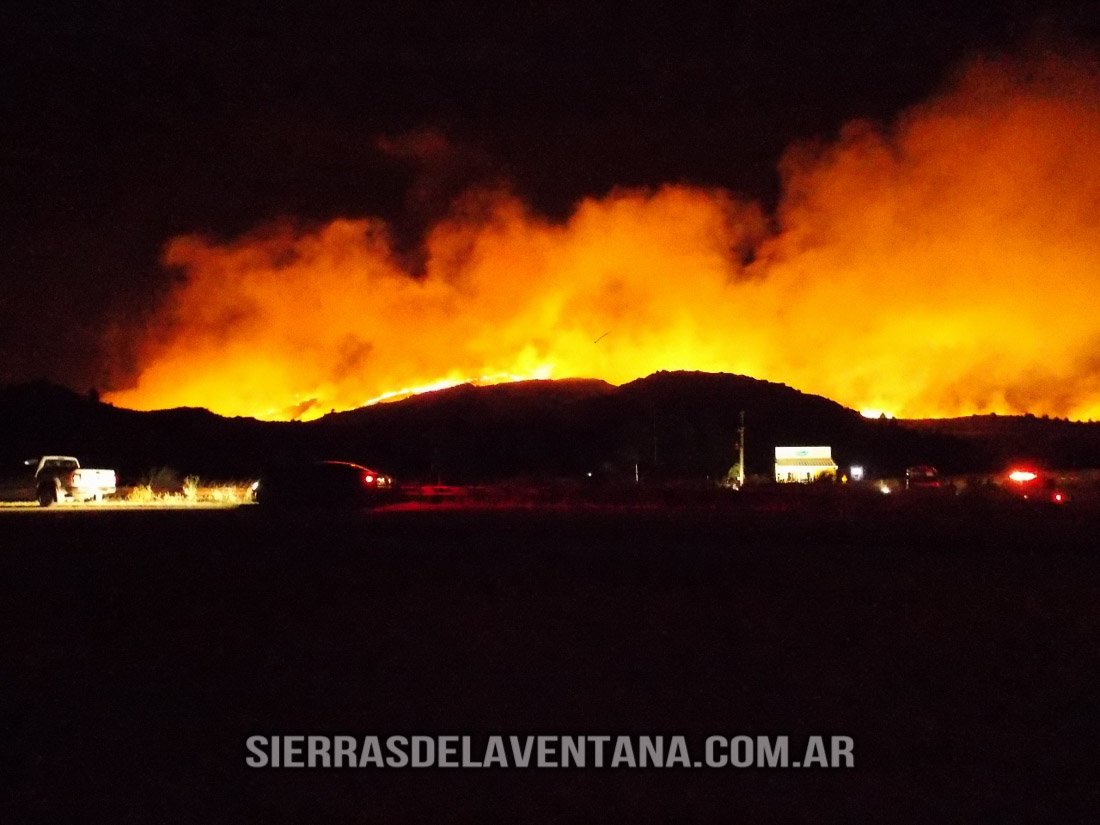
<point>322,483</point>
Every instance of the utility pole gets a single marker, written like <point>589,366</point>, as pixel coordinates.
<point>741,452</point>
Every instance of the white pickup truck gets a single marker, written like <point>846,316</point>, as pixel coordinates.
<point>59,478</point>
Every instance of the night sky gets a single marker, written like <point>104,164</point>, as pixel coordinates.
<point>122,125</point>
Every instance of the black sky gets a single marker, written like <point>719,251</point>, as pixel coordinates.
<point>124,124</point>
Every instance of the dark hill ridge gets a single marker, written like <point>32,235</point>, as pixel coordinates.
<point>671,424</point>
<point>40,418</point>
<point>515,399</point>
<point>1056,443</point>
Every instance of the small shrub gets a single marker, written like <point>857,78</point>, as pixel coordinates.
<point>191,488</point>
<point>142,494</point>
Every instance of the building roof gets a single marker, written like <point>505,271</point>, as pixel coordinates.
<point>806,462</point>
<point>804,452</point>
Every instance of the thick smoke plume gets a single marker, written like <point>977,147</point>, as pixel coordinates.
<point>946,264</point>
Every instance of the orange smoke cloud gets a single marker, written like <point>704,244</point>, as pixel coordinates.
<point>943,266</point>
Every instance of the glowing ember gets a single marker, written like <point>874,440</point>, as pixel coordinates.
<point>965,239</point>
<point>1022,476</point>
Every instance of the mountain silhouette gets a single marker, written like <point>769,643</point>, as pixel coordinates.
<point>667,426</point>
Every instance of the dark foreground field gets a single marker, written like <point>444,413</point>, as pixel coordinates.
<point>958,647</point>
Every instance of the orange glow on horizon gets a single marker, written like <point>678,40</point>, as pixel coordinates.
<point>942,266</point>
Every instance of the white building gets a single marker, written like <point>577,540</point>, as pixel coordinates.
<point>803,464</point>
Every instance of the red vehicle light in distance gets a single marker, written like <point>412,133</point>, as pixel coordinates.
<point>1035,485</point>
<point>922,477</point>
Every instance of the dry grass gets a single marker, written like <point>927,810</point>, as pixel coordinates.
<point>225,493</point>
<point>193,492</point>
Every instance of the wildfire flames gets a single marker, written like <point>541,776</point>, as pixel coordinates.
<point>948,264</point>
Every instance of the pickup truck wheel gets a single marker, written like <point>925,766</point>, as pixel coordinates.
<point>47,494</point>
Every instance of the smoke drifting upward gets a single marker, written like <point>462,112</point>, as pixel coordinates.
<point>945,265</point>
